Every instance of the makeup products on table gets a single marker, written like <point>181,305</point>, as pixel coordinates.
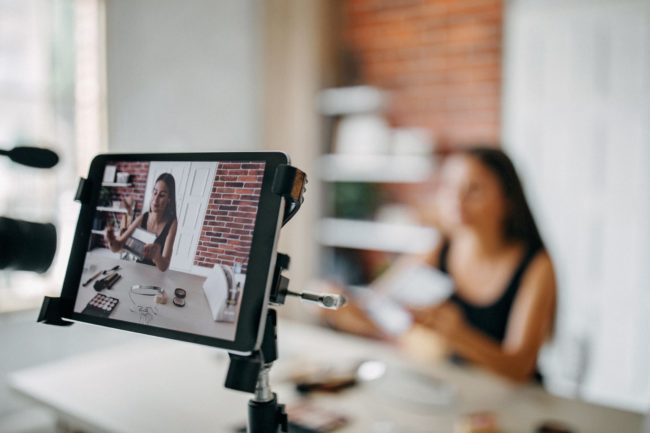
<point>161,298</point>
<point>107,282</point>
<point>159,294</point>
<point>141,289</point>
<point>101,305</point>
<point>145,310</point>
<point>104,272</point>
<point>89,280</point>
<point>179,297</point>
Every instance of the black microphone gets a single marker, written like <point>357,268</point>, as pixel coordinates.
<point>26,246</point>
<point>32,156</point>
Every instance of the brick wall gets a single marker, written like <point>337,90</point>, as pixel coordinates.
<point>230,217</point>
<point>440,59</point>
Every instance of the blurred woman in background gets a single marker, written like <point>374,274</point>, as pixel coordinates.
<point>503,305</point>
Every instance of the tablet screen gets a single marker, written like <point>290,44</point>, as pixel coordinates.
<point>170,244</point>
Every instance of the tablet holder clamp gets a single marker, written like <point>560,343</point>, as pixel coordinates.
<point>53,310</point>
<point>251,373</point>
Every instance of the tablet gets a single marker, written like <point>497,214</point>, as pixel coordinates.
<point>181,246</point>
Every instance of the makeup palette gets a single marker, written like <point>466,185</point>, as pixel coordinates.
<point>101,305</point>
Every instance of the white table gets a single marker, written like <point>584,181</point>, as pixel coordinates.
<point>155,385</point>
<point>195,317</point>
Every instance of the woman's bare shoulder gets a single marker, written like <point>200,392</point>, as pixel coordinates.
<point>540,273</point>
<point>542,261</point>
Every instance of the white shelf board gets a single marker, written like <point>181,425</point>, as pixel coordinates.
<point>111,209</point>
<point>116,184</point>
<point>376,236</point>
<point>352,100</point>
<point>375,168</point>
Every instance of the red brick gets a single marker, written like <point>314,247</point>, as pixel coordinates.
<point>403,46</point>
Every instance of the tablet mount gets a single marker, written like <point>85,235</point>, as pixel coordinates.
<point>245,373</point>
<point>251,373</point>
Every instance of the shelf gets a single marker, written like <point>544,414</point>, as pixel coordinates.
<point>370,235</point>
<point>111,209</point>
<point>375,168</point>
<point>116,184</point>
<point>352,100</point>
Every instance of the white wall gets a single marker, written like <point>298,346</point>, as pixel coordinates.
<point>183,75</point>
<point>577,121</point>
<point>295,36</point>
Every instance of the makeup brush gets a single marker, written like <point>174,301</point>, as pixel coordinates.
<point>104,272</point>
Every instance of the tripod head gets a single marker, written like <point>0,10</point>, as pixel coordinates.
<point>280,289</point>
<point>246,369</point>
<point>251,373</point>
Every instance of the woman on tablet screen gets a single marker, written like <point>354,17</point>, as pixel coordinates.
<point>503,304</point>
<point>159,220</point>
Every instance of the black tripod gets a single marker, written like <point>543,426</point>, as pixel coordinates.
<point>251,373</point>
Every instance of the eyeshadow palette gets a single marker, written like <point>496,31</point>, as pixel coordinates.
<point>101,305</point>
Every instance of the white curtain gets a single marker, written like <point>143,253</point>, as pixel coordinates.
<point>577,122</point>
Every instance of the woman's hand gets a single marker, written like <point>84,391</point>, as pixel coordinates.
<point>446,319</point>
<point>152,252</point>
<point>110,238</point>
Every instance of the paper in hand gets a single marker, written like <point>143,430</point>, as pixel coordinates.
<point>420,286</point>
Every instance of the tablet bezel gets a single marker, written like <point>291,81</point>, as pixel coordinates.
<point>261,264</point>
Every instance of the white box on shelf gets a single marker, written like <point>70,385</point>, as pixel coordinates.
<point>122,177</point>
<point>109,173</point>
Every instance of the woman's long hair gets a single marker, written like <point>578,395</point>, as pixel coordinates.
<point>519,223</point>
<point>170,210</point>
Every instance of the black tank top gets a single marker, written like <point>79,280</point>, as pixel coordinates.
<point>160,239</point>
<point>491,319</point>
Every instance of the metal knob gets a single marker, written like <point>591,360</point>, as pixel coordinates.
<point>330,301</point>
